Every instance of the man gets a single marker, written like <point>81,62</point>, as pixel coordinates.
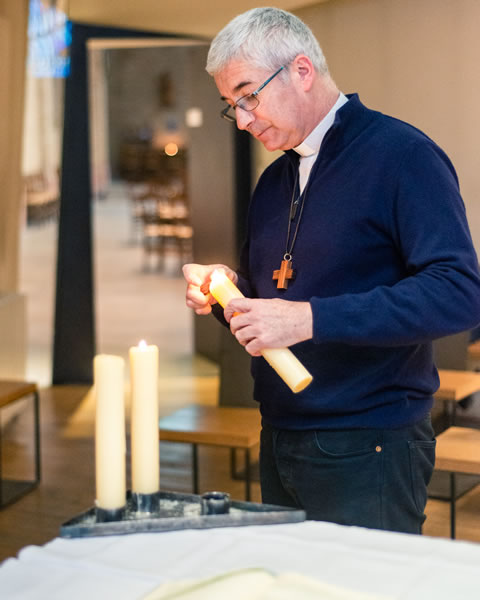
<point>366,213</point>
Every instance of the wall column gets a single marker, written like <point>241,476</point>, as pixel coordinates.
<point>13,44</point>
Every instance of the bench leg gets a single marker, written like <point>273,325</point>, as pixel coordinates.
<point>11,490</point>
<point>233,464</point>
<point>453,416</point>
<point>453,494</point>
<point>195,468</point>
<point>247,474</point>
<point>1,462</point>
<point>36,405</point>
<point>235,474</point>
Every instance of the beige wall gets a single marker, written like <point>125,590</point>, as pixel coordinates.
<point>189,17</point>
<point>418,60</point>
<point>13,27</point>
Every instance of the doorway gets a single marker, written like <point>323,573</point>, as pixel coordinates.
<point>210,170</point>
<point>142,108</point>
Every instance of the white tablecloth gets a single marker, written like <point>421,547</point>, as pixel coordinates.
<point>127,567</point>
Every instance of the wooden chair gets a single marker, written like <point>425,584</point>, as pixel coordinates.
<point>458,451</point>
<point>41,198</point>
<point>132,158</point>
<point>167,229</point>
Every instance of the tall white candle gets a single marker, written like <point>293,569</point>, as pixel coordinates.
<point>282,360</point>
<point>144,419</point>
<point>110,445</point>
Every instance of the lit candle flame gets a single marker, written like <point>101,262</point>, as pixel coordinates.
<point>142,344</point>
<point>217,276</point>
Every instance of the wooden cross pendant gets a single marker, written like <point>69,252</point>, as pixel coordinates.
<point>284,274</point>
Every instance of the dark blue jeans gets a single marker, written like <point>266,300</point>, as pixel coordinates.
<point>367,477</point>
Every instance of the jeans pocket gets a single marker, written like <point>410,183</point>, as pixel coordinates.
<point>348,444</point>
<point>422,462</point>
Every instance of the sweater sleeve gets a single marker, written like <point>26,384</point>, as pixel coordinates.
<point>243,284</point>
<point>440,294</point>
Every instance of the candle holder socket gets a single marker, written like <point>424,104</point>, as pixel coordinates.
<point>215,503</point>
<point>146,503</point>
<point>107,515</point>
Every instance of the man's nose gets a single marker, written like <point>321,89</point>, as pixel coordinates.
<point>244,118</point>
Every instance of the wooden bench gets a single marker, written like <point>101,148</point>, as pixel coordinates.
<point>11,392</point>
<point>474,350</point>
<point>232,427</point>
<point>455,386</point>
<point>457,451</point>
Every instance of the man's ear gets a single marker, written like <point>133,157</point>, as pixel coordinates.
<point>303,67</point>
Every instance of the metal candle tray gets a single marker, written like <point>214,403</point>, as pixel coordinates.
<point>179,511</point>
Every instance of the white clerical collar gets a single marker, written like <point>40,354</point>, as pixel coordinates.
<point>311,144</point>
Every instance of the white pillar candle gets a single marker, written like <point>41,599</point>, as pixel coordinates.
<point>144,419</point>
<point>110,444</point>
<point>282,360</point>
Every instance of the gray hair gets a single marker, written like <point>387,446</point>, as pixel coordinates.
<point>267,38</point>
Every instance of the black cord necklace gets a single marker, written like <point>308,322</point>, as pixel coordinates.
<point>285,273</point>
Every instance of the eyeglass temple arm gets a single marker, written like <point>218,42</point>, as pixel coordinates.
<point>256,92</point>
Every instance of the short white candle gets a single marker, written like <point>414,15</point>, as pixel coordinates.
<point>110,445</point>
<point>144,419</point>
<point>282,360</point>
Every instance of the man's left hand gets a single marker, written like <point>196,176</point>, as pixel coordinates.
<point>271,323</point>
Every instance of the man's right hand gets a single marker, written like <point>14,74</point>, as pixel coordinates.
<point>198,295</point>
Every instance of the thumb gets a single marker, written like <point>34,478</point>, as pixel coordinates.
<point>236,307</point>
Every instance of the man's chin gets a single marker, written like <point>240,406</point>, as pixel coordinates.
<point>269,140</point>
<point>269,144</point>
<point>272,146</point>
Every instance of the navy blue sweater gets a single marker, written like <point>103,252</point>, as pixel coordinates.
<point>385,258</point>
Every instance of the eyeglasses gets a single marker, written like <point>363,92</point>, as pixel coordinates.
<point>248,102</point>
